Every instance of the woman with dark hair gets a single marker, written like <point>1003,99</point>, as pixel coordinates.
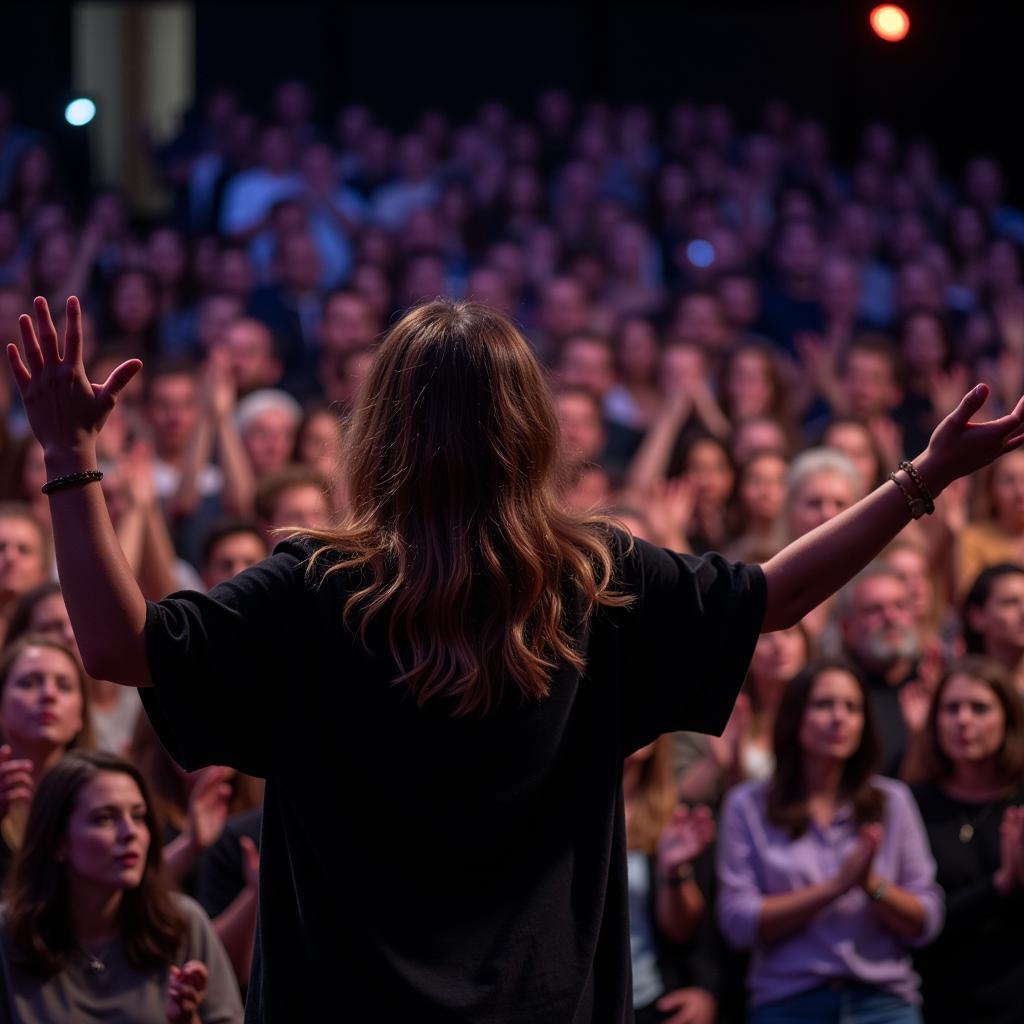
<point>90,931</point>
<point>752,385</point>
<point>707,463</point>
<point>760,496</point>
<point>44,713</point>
<point>993,618</point>
<point>460,664</point>
<point>973,748</point>
<point>824,870</point>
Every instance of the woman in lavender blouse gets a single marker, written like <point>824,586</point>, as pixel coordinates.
<point>825,872</point>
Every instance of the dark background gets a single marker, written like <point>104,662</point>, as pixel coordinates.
<point>954,80</point>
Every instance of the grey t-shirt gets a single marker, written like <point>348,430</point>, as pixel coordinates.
<point>121,993</point>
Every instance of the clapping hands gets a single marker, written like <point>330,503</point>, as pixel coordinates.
<point>185,992</point>
<point>684,839</point>
<point>1010,874</point>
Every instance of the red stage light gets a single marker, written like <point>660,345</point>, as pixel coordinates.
<point>890,22</point>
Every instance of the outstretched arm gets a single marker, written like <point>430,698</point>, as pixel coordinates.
<point>66,413</point>
<point>812,568</point>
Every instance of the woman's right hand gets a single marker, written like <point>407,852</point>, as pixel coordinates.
<point>686,836</point>
<point>185,992</point>
<point>65,411</point>
<point>16,781</point>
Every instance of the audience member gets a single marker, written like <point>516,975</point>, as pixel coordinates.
<point>89,927</point>
<point>44,712</point>
<point>824,870</point>
<point>973,766</point>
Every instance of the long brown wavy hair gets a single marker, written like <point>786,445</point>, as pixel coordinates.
<point>453,517</point>
<point>786,797</point>
<point>38,910</point>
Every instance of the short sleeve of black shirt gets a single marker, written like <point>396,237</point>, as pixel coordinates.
<point>214,659</point>
<point>687,639</point>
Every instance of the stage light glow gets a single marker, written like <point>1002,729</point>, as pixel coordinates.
<point>890,22</point>
<point>80,111</point>
<point>700,253</point>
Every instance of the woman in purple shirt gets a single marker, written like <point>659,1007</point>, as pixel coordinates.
<point>824,870</point>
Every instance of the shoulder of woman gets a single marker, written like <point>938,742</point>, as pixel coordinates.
<point>197,921</point>
<point>898,797</point>
<point>752,794</point>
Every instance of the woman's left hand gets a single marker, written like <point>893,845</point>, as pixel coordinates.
<point>685,838</point>
<point>185,992</point>
<point>688,1006</point>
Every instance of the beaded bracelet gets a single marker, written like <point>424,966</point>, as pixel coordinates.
<point>915,506</point>
<point>71,480</point>
<point>911,470</point>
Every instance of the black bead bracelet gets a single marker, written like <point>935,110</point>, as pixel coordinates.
<point>71,480</point>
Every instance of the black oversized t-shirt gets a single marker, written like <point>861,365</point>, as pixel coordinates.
<point>416,866</point>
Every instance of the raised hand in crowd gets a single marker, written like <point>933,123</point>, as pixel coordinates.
<point>679,903</point>
<point>915,701</point>
<point>888,437</point>
<point>186,989</point>
<point>236,924</point>
<point>215,429</point>
<point>1010,874</point>
<point>687,835</point>
<point>208,805</point>
<point>819,366</point>
<point>669,505</point>
<point>207,812</point>
<point>16,780</point>
<point>946,387</point>
<point>725,749</point>
<point>141,527</point>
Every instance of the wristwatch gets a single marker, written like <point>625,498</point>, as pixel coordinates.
<point>878,893</point>
<point>680,874</point>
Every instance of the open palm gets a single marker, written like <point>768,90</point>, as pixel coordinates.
<point>65,410</point>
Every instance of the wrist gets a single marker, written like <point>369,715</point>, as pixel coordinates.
<point>61,460</point>
<point>192,844</point>
<point>933,475</point>
<point>875,888</point>
<point>675,874</point>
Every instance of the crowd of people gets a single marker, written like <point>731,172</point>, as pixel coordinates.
<point>743,338</point>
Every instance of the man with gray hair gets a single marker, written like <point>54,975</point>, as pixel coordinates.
<point>880,637</point>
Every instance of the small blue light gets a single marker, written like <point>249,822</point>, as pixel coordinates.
<point>80,111</point>
<point>700,253</point>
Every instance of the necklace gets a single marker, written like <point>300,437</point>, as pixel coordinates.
<point>96,964</point>
<point>968,825</point>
